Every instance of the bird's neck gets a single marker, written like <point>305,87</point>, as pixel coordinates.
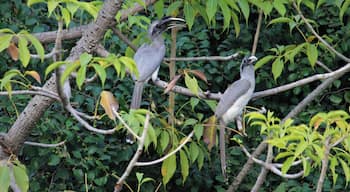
<point>157,40</point>
<point>248,73</point>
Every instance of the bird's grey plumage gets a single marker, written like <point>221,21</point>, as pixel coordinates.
<point>148,59</point>
<point>233,101</point>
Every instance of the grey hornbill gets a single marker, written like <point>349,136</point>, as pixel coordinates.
<point>149,57</point>
<point>232,102</point>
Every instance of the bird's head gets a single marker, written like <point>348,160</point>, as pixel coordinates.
<point>159,26</point>
<point>248,61</point>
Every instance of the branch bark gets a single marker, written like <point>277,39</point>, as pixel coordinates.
<point>324,164</point>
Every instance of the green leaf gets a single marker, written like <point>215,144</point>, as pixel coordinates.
<point>192,84</point>
<point>263,61</point>
<point>21,177</point>
<point>174,8</point>
<point>164,140</point>
<point>5,41</point>
<point>278,5</point>
<point>6,80</point>
<point>194,151</point>
<point>81,76</point>
<point>346,169</point>
<point>139,177</point>
<point>198,131</point>
<point>277,68</point>
<point>190,121</point>
<point>32,2</point>
<point>168,168</point>
<point>24,55</point>
<point>332,166</point>
<point>37,45</point>
<point>53,66</point>
<point>90,8</point>
<point>200,159</point>
<point>4,178</point>
<point>66,16</point>
<point>212,104</point>
<point>236,23</point>
<point>158,8</point>
<point>130,64</point>
<point>189,14</point>
<point>243,4</point>
<point>184,165</point>
<point>226,12</point>
<point>70,68</point>
<point>100,72</point>
<point>54,160</point>
<point>280,20</point>
<point>287,164</point>
<point>306,166</point>
<point>211,8</point>
<point>312,54</point>
<point>51,5</point>
<point>72,8</point>
<point>84,59</point>
<point>300,148</point>
<point>335,99</point>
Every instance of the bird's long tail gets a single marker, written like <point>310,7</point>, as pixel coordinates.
<point>135,104</point>
<point>137,95</point>
<point>222,148</point>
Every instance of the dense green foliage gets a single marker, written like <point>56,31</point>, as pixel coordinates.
<point>216,27</point>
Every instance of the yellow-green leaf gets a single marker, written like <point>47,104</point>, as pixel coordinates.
<point>100,72</point>
<point>211,8</point>
<point>70,68</point>
<point>24,55</point>
<point>277,68</point>
<point>184,165</point>
<point>37,45</point>
<point>4,178</point>
<point>236,23</point>
<point>53,66</point>
<point>287,164</point>
<point>226,12</point>
<point>66,16</point>
<point>51,5</point>
<point>5,41</point>
<point>243,4</point>
<point>194,151</point>
<point>21,177</point>
<point>209,135</point>
<point>192,84</point>
<point>173,8</point>
<point>189,14</point>
<point>312,54</point>
<point>168,168</point>
<point>346,169</point>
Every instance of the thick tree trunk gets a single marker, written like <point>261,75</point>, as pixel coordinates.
<point>38,105</point>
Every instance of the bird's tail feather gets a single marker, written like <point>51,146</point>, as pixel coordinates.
<point>222,148</point>
<point>135,104</point>
<point>137,95</point>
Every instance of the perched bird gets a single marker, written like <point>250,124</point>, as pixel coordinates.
<point>233,101</point>
<point>149,57</point>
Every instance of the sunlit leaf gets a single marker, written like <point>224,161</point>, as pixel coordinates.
<point>158,8</point>
<point>189,14</point>
<point>243,4</point>
<point>5,41</point>
<point>277,68</point>
<point>100,72</point>
<point>51,5</point>
<point>184,165</point>
<point>211,8</point>
<point>168,168</point>
<point>21,178</point>
<point>312,54</point>
<point>4,178</point>
<point>287,164</point>
<point>109,103</point>
<point>24,55</point>
<point>37,45</point>
<point>209,135</point>
<point>346,169</point>
<point>192,84</point>
<point>173,8</point>
<point>53,66</point>
<point>263,61</point>
<point>34,74</point>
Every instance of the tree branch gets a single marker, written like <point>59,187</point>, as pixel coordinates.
<point>167,155</point>
<point>325,160</point>
<point>137,154</point>
<point>44,144</point>
<point>264,170</point>
<point>257,32</point>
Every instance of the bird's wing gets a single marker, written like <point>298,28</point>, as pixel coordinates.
<point>148,58</point>
<point>232,93</point>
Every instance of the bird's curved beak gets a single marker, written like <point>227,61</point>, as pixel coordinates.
<point>252,59</point>
<point>171,22</point>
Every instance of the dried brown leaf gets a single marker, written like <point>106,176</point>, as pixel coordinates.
<point>209,135</point>
<point>13,51</point>
<point>109,103</point>
<point>34,74</point>
<point>199,74</point>
<point>172,83</point>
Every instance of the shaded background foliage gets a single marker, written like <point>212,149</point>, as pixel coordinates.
<point>97,157</point>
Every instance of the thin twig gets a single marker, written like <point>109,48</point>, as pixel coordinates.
<point>325,160</point>
<point>44,144</point>
<point>172,71</point>
<point>205,58</point>
<point>125,124</point>
<point>309,26</point>
<point>167,155</point>
<point>323,66</point>
<point>46,56</point>
<point>257,32</point>
<point>137,154</point>
<point>264,170</point>
<point>29,92</point>
<point>124,38</point>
